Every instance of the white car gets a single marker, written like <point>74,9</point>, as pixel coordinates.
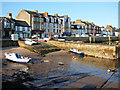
<point>16,57</point>
<point>30,42</point>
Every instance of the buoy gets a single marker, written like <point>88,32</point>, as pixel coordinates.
<point>108,71</point>
<point>73,57</point>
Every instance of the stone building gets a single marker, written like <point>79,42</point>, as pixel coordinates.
<point>45,25</point>
<point>85,29</point>
<point>7,26</point>
<point>78,29</point>
<point>22,29</point>
<point>111,30</point>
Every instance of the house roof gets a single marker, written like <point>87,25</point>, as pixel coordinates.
<point>33,13</point>
<point>118,30</point>
<point>2,18</point>
<point>20,23</point>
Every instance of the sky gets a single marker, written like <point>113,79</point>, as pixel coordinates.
<point>101,13</point>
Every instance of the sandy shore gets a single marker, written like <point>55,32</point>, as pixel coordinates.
<point>63,76</point>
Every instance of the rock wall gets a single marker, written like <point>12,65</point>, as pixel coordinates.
<point>7,43</point>
<point>103,51</point>
<point>97,39</point>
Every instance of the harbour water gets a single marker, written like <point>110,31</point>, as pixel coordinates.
<point>61,64</point>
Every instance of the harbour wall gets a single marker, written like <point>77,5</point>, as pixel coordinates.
<point>7,43</point>
<point>97,39</point>
<point>101,51</point>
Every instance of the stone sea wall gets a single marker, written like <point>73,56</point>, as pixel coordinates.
<point>102,51</point>
<point>7,43</point>
<point>97,39</point>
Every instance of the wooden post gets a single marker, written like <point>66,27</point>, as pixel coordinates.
<point>109,40</point>
<point>90,39</point>
<point>94,39</point>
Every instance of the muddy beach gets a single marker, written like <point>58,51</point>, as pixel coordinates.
<point>55,70</point>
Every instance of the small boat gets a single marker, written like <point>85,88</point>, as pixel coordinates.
<point>80,53</point>
<point>30,42</point>
<point>41,40</point>
<point>60,39</point>
<point>16,57</point>
<point>76,51</point>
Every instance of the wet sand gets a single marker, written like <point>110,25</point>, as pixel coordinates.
<point>51,74</point>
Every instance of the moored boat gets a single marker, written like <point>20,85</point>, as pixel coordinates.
<point>76,51</point>
<point>16,57</point>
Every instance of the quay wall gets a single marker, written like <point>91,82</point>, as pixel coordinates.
<point>97,39</point>
<point>7,43</point>
<point>102,51</point>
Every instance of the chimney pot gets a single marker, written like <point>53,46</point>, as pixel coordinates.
<point>9,15</point>
<point>36,10</point>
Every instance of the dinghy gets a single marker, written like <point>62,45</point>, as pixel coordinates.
<point>76,51</point>
<point>30,42</point>
<point>16,57</point>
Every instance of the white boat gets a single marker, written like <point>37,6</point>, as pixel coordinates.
<point>80,53</point>
<point>73,50</point>
<point>61,39</point>
<point>16,57</point>
<point>76,51</point>
<point>30,42</point>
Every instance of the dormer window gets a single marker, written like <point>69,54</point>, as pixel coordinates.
<point>78,26</point>
<point>47,19</point>
<point>5,24</point>
<point>59,20</point>
<point>52,20</point>
<point>55,19</point>
<point>12,25</point>
<point>72,26</point>
<point>32,18</point>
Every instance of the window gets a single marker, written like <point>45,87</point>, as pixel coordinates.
<point>72,26</point>
<point>26,28</point>
<point>59,20</point>
<point>23,28</point>
<point>78,26</point>
<point>5,24</point>
<point>37,19</point>
<point>55,19</point>
<point>54,30</point>
<point>65,19</point>
<point>8,25</point>
<point>52,20</point>
<point>41,19</point>
<point>16,28</point>
<point>12,25</point>
<point>20,28</point>
<point>32,18</point>
<point>32,25</point>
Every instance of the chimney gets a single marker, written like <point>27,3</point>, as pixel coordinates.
<point>9,15</point>
<point>56,15</point>
<point>46,13</point>
<point>79,20</point>
<point>66,15</point>
<point>36,10</point>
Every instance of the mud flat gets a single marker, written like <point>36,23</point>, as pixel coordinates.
<point>47,72</point>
